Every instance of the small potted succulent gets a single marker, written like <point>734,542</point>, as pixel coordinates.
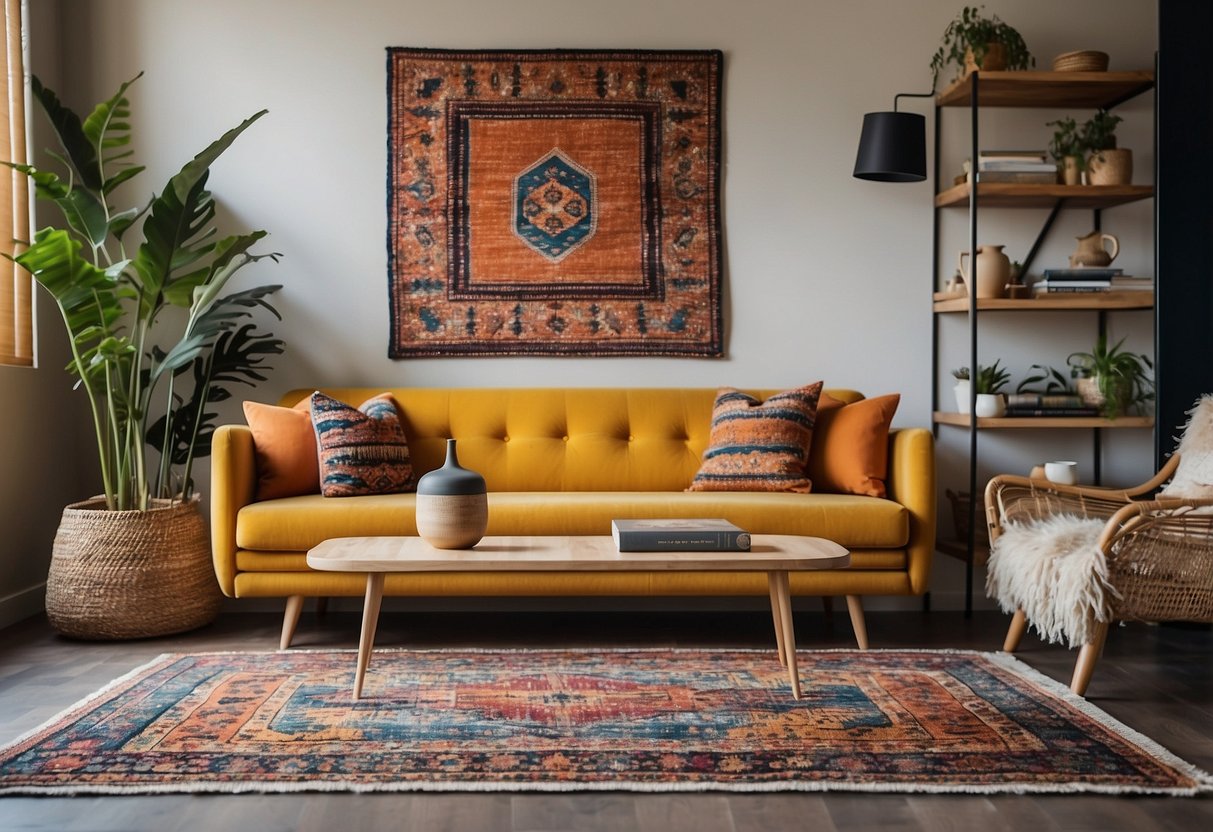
<point>989,382</point>
<point>975,42</point>
<point>1112,379</point>
<point>1108,164</point>
<point>1068,150</point>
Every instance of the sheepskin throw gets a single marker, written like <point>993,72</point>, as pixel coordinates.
<point>1194,477</point>
<point>1053,571</point>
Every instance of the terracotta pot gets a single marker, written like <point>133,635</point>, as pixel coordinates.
<point>1110,167</point>
<point>995,59</point>
<point>1071,170</point>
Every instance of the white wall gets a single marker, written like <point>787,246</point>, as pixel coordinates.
<point>826,276</point>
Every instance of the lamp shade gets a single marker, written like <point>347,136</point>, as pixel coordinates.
<point>892,148</point>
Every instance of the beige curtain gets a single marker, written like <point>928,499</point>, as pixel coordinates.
<point>16,286</point>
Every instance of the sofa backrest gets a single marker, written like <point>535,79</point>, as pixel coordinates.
<point>558,439</point>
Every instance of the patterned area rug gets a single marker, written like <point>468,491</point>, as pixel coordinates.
<point>554,202</point>
<point>912,721</point>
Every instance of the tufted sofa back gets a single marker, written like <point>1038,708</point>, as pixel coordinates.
<point>558,439</point>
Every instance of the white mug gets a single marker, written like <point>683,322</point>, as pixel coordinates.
<point>1062,472</point>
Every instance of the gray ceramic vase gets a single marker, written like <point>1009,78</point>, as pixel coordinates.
<point>452,505</point>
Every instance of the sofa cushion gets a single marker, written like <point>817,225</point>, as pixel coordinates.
<point>759,446</point>
<point>285,444</point>
<point>850,449</point>
<point>362,451</point>
<point>298,523</point>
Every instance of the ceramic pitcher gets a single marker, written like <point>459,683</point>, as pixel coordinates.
<point>1092,252</point>
<point>993,271</point>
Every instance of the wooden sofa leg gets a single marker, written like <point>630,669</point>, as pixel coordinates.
<point>1019,624</point>
<point>1087,656</point>
<point>855,608</point>
<point>294,606</point>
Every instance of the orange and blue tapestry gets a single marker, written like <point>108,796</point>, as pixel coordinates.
<point>554,202</point>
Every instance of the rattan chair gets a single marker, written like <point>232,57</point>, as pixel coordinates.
<point>1158,552</point>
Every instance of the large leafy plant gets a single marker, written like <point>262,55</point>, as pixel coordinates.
<point>115,273</point>
<point>972,32</point>
<point>1121,377</point>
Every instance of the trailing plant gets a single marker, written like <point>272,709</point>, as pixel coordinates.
<point>969,31</point>
<point>1120,376</point>
<point>113,273</point>
<point>990,379</point>
<point>1054,381</point>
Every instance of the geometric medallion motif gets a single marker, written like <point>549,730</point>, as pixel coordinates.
<point>554,210</point>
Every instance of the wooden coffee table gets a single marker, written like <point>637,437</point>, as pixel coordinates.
<point>774,554</point>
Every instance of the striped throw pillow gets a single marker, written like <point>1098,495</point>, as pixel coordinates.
<point>759,446</point>
<point>362,450</point>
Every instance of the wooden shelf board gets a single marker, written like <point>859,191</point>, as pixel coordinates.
<point>1094,300</point>
<point>1093,90</point>
<point>962,420</point>
<point>1014,195</point>
<point>960,549</point>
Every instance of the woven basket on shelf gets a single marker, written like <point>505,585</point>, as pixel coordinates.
<point>131,574</point>
<point>1086,60</point>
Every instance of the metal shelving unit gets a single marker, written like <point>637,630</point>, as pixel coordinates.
<point>1092,90</point>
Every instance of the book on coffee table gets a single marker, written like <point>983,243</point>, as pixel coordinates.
<point>679,535</point>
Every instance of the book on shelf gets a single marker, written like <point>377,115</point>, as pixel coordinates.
<point>1012,155</point>
<point>679,535</point>
<point>1014,178</point>
<point>1016,412</point>
<point>1049,400</point>
<point>1082,273</point>
<point>1044,287</point>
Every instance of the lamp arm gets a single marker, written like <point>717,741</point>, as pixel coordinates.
<point>930,94</point>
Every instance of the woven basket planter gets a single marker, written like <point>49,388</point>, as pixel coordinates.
<point>131,574</point>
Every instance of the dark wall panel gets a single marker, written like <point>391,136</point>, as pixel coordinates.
<point>1184,213</point>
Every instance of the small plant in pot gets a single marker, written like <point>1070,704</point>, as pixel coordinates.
<point>1108,164</point>
<point>135,562</point>
<point>974,42</point>
<point>1067,149</point>
<point>1112,379</point>
<point>988,384</point>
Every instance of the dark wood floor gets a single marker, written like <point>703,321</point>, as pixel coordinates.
<point>1158,680</point>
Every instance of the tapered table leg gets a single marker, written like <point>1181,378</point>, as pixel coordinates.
<point>789,634</point>
<point>773,589</point>
<point>370,618</point>
<point>1019,624</point>
<point>855,607</point>
<point>290,620</point>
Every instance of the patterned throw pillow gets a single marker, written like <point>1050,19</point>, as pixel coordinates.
<point>759,446</point>
<point>363,450</point>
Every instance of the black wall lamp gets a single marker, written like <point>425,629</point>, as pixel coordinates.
<point>893,145</point>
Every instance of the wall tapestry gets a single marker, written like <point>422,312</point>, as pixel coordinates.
<point>554,202</point>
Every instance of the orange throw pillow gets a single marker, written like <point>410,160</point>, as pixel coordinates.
<point>850,450</point>
<point>759,446</point>
<point>285,441</point>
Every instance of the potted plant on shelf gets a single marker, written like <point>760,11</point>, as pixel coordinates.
<point>989,382</point>
<point>1112,379</point>
<point>975,42</point>
<point>135,561</point>
<point>1067,149</point>
<point>1107,164</point>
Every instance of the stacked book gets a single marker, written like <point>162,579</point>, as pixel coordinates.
<point>1025,167</point>
<point>681,535</point>
<point>1079,279</point>
<point>1048,404</point>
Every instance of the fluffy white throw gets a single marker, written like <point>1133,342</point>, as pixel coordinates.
<point>1053,571</point>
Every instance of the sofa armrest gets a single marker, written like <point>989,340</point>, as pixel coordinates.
<point>233,484</point>
<point>911,482</point>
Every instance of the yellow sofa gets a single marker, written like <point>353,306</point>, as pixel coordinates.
<point>566,462</point>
